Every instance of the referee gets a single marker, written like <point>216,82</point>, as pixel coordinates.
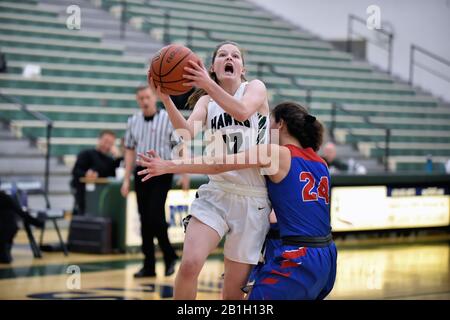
<point>150,129</point>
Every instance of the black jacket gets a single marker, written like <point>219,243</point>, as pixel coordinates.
<point>93,159</point>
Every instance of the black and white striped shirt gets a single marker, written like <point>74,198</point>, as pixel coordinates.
<point>156,134</point>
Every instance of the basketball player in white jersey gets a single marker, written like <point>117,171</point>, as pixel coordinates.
<point>233,204</point>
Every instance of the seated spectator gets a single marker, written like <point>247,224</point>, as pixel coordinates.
<point>94,163</point>
<point>334,164</point>
<point>337,166</point>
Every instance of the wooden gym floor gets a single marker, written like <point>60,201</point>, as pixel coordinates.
<point>405,268</point>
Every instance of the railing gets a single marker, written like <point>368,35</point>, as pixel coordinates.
<point>189,35</point>
<point>123,19</point>
<point>166,26</point>
<point>335,106</point>
<point>49,124</point>
<point>166,34</point>
<point>350,32</point>
<point>412,63</point>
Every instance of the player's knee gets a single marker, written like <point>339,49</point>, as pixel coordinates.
<point>190,267</point>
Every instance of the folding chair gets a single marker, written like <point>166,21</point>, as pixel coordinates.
<point>21,191</point>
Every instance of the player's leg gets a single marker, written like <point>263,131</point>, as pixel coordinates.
<point>236,276</point>
<point>277,280</point>
<point>332,273</point>
<point>199,241</point>
<point>308,274</point>
<point>242,249</point>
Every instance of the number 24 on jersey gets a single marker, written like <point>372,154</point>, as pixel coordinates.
<point>322,189</point>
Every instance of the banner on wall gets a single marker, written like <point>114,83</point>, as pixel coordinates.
<point>352,209</point>
<point>133,223</point>
<point>178,204</point>
<point>373,208</point>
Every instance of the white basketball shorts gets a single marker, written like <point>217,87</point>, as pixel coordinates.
<point>240,213</point>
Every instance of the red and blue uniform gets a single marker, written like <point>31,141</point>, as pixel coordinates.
<point>303,264</point>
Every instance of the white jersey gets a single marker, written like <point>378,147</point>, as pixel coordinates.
<point>237,137</point>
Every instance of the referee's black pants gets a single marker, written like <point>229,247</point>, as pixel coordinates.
<point>151,199</point>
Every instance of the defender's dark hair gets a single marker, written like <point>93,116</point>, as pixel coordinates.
<point>300,124</point>
<point>198,93</point>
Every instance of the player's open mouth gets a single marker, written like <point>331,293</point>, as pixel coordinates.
<point>229,69</point>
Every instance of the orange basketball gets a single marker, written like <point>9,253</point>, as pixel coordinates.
<point>167,68</point>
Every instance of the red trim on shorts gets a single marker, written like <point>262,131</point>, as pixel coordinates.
<point>286,275</point>
<point>293,254</point>
<point>269,281</point>
<point>288,264</point>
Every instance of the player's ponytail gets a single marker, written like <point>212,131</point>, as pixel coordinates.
<point>198,93</point>
<point>300,124</point>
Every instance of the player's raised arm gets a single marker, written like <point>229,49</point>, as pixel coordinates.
<point>176,118</point>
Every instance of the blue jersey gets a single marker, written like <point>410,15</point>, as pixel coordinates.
<point>302,199</point>
<point>301,203</point>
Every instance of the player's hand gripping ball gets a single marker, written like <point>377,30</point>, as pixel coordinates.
<point>167,69</point>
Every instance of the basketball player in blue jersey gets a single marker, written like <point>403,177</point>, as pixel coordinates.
<point>303,265</point>
<point>234,204</point>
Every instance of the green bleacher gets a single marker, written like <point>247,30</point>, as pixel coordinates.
<point>86,86</point>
